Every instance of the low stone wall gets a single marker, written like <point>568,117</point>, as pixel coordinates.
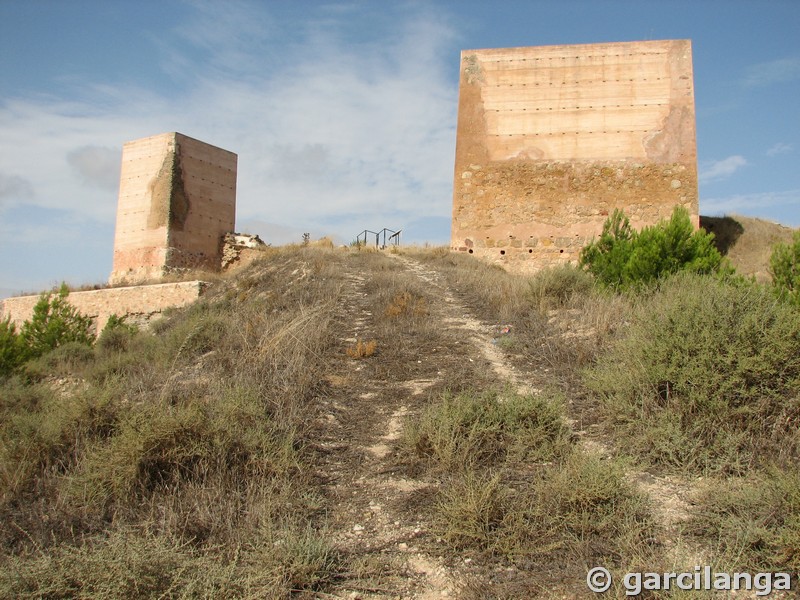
<point>140,303</point>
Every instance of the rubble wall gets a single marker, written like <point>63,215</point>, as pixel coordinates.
<point>177,198</point>
<point>139,303</point>
<point>552,139</point>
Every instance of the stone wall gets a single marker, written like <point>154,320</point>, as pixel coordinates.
<point>552,139</point>
<point>140,303</point>
<point>177,199</point>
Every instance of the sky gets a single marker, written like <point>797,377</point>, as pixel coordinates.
<point>343,114</point>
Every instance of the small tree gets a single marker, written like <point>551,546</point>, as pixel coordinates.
<point>784,266</point>
<point>12,348</point>
<point>606,258</point>
<point>54,322</point>
<point>624,258</point>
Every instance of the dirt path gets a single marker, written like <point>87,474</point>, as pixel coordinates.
<point>372,516</point>
<point>376,512</point>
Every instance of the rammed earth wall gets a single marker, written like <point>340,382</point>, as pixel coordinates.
<point>552,139</point>
<point>141,303</point>
<point>177,199</point>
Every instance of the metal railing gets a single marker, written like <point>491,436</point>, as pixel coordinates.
<point>382,238</point>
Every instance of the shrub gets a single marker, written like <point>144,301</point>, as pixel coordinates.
<point>130,564</point>
<point>41,431</point>
<point>784,266</point>
<point>116,335</point>
<point>12,348</point>
<point>754,522</point>
<point>488,429</point>
<point>623,258</point>
<point>54,322</point>
<point>580,509</point>
<point>707,376</point>
<point>556,286</point>
<point>67,360</point>
<point>158,446</point>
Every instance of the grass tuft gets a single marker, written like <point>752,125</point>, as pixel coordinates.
<point>706,377</point>
<point>362,349</point>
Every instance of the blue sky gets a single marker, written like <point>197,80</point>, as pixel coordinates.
<point>342,113</point>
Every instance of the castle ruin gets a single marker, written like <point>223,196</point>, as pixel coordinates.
<point>177,200</point>
<point>552,139</point>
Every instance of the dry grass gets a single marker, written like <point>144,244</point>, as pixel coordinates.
<point>362,349</point>
<point>176,466</point>
<point>177,462</point>
<point>747,242</point>
<point>516,487</point>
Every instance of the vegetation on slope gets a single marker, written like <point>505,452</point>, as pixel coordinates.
<point>179,462</point>
<point>172,463</point>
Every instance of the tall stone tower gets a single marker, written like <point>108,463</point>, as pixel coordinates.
<point>177,199</point>
<point>552,139</point>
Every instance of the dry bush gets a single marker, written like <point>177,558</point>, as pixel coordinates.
<point>406,304</point>
<point>362,349</point>
<point>705,378</point>
<point>753,523</point>
<point>131,564</point>
<point>515,486</point>
<point>487,429</point>
<point>185,445</point>
<point>581,510</point>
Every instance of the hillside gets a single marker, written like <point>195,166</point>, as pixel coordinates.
<point>416,424</point>
<point>747,242</point>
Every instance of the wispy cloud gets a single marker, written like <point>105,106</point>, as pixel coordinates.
<point>14,187</point>
<point>758,204</point>
<point>775,71</point>
<point>721,169</point>
<point>96,165</point>
<point>331,136</point>
<point>780,148</point>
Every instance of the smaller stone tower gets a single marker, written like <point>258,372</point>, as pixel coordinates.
<point>177,199</point>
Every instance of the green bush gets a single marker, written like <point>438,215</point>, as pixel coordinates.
<point>117,334</point>
<point>12,348</point>
<point>623,258</point>
<point>707,376</point>
<point>55,322</point>
<point>784,266</point>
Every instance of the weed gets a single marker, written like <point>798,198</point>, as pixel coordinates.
<point>580,510</point>
<point>753,522</point>
<point>556,287</point>
<point>406,304</point>
<point>471,509</point>
<point>362,349</point>
<point>488,429</point>
<point>69,359</point>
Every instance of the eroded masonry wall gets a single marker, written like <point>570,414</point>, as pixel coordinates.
<point>138,303</point>
<point>177,199</point>
<point>552,139</point>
